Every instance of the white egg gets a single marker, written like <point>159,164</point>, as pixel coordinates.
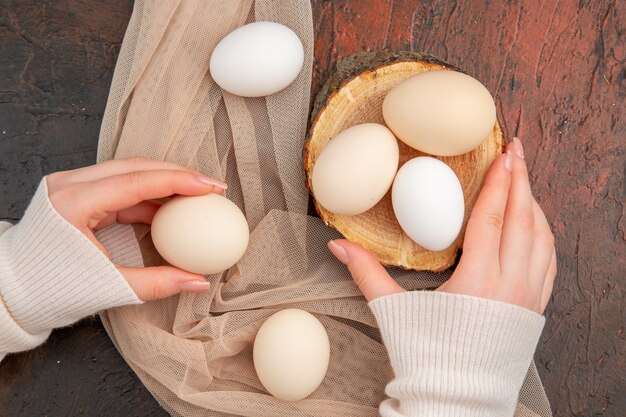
<point>355,169</point>
<point>204,234</point>
<point>291,354</point>
<point>440,112</point>
<point>257,59</point>
<point>428,202</point>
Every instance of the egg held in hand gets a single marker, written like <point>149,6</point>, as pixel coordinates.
<point>428,202</point>
<point>202,234</point>
<point>355,169</point>
<point>257,59</point>
<point>291,353</point>
<point>440,112</point>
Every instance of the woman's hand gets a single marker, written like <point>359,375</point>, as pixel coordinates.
<point>508,252</point>
<point>121,191</point>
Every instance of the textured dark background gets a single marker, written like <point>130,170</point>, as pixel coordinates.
<point>557,70</point>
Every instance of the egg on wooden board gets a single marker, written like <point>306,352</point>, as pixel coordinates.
<point>355,169</point>
<point>440,112</point>
<point>201,234</point>
<point>257,59</point>
<point>291,353</point>
<point>428,202</point>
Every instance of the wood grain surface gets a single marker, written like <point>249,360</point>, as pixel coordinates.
<point>556,69</point>
<point>354,94</point>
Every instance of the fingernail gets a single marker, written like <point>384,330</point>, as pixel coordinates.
<point>519,149</point>
<point>508,162</point>
<point>339,252</point>
<point>212,181</point>
<point>195,286</point>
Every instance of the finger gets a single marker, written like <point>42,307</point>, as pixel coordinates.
<point>482,237</point>
<point>518,226</point>
<point>155,283</point>
<point>368,274</point>
<point>142,212</point>
<point>115,167</point>
<point>542,250</point>
<point>549,282</point>
<point>112,194</point>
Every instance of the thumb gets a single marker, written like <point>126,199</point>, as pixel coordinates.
<point>368,274</point>
<point>158,282</point>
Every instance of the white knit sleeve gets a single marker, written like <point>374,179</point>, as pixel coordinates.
<point>455,355</point>
<point>4,226</point>
<point>51,275</point>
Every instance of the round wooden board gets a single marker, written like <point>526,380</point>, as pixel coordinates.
<point>354,99</point>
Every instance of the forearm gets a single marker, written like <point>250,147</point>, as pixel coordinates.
<point>51,275</point>
<point>455,355</point>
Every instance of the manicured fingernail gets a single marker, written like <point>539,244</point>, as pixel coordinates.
<point>519,149</point>
<point>339,252</point>
<point>508,162</point>
<point>195,286</point>
<point>214,182</point>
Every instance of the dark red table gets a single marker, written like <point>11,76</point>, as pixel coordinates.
<point>557,70</point>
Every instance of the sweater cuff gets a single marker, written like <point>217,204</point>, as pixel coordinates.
<point>121,243</point>
<point>52,275</point>
<point>455,352</point>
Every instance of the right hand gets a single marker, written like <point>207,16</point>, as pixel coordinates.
<point>123,191</point>
<point>508,252</point>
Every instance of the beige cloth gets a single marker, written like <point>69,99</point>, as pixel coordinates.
<point>194,351</point>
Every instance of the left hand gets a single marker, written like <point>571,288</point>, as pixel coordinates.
<point>122,191</point>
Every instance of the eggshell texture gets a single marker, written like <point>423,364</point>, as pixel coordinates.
<point>355,169</point>
<point>291,354</point>
<point>428,202</point>
<point>257,59</point>
<point>204,234</point>
<point>440,112</point>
